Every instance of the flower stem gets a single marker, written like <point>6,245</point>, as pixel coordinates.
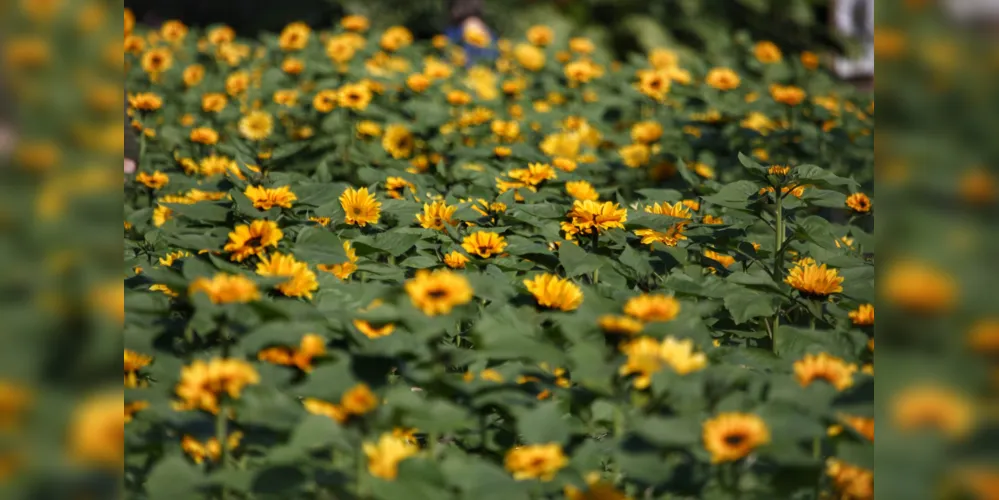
<point>778,261</point>
<point>221,434</point>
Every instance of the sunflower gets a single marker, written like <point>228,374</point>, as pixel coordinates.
<point>213,102</point>
<point>292,66</point>
<point>672,235</point>
<point>850,481</point>
<point>204,135</point>
<point>311,346</point>
<point>360,207</point>
<point>193,74</point>
<point>540,35</point>
<point>438,292</point>
<point>398,141</point>
<point>354,96</point>
<point>581,190</point>
<point>537,461</point>
<point>252,239</point>
<point>286,97</point>
<point>646,132</point>
<point>654,83</point>
<point>863,315</point>
<point>635,155</point>
<point>554,292</point>
<point>825,367</point>
<point>267,198</point>
<point>155,180</point>
<point>145,101</point>
<point>355,23</point>
<point>134,362</point>
<point>590,216</point>
<point>340,49</point>
<point>815,280</point>
<point>935,407</point>
<point>237,83</point>
<point>256,126</point>
<point>385,455</point>
<point>395,38</point>
<point>722,79</point>
<point>484,244</point>
<point>394,187</point>
<point>919,287</point>
<point>731,436</point>
<point>211,449</point>
<point>787,94</point>
<point>436,215</point>
<point>202,384</point>
<point>302,281</point>
<point>653,307</point>
<point>767,52</point>
<point>158,60</point>
<point>859,202</point>
<point>456,260</point>
<point>475,36</point>
<point>294,36</point>
<point>622,325</point>
<point>344,269</point>
<point>724,260</point>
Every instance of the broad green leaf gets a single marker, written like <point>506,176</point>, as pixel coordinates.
<point>577,261</point>
<point>543,424</point>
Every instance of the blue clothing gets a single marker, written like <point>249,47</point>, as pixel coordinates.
<point>475,54</point>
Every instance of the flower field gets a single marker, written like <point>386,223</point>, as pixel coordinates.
<point>360,266</point>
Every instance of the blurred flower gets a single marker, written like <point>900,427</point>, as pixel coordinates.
<point>456,260</point>
<point>267,198</point>
<point>193,74</point>
<point>863,315</point>
<point>344,269</point>
<point>978,187</point>
<point>202,384</point>
<point>384,457</point>
<point>622,325</point>
<point>767,52</point>
<point>581,190</point>
<point>809,60</point>
<point>540,35</point>
<point>398,141</point>
<point>96,431</point>
<point>133,362</point>
<point>851,482</point>
<point>204,135</point>
<point>919,287</point>
<point>787,94</point>
<point>485,244</point>
<point>654,83</point>
<point>213,102</point>
<point>155,180</point>
<point>436,215</point>
<point>359,400</point>
<point>145,101</point>
<point>210,450</point>
<point>226,288</point>
<point>157,60</point>
<point>675,233</point>
<point>294,36</point>
<point>928,406</point>
<point>646,132</point>
<point>354,96</point>
<point>311,346</point>
<point>438,292</point>
<point>256,126</point>
<point>732,436</point>
<point>554,292</point>
<point>825,367</point>
<point>395,38</point>
<point>354,23</point>
<point>301,282</point>
<point>537,461</point>
<point>529,57</point>
<point>722,79</point>
<point>724,260</point>
<point>652,307</point>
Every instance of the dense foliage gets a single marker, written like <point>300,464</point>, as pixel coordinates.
<point>359,267</point>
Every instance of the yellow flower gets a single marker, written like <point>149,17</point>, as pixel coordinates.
<point>635,155</point>
<point>984,335</point>
<point>540,35</point>
<point>456,260</point>
<point>767,52</point>
<point>859,202</point>
<point>395,38</point>
<point>202,384</point>
<point>731,436</point>
<point>537,461</point>
<point>812,279</point>
<point>294,36</point>
<point>237,83</point>
<point>672,235</point>
<point>590,216</point>
<point>652,307</point>
<point>646,132</point>
<point>354,96</point>
<point>581,190</point>
<point>809,60</point>
<point>157,60</point>
<point>354,23</point>
<point>204,135</point>
<point>286,97</point>
<point>345,269</point>
<point>436,215</point>
<point>787,94</point>
<point>368,128</point>
<point>292,65</point>
<point>623,325</point>
<point>417,82</point>
<point>680,355</point>
<point>96,431</point>
<point>359,400</point>
<point>326,409</point>
<point>704,170</point>
<point>724,260</point>
<point>595,490</point>
<point>529,57</point>
<point>580,71</point>
<point>156,180</point>
<point>360,207</point>
<point>722,79</point>
<point>928,406</point>
<point>213,102</point>
<point>778,170</point>
<point>654,83</point>
<point>555,293</point>
<point>823,366</point>
<point>662,58</point>
<point>193,74</point>
<point>210,449</point>
<point>564,164</point>
<point>302,281</point>
<point>919,287</point>
<point>863,316</point>
<point>484,244</point>
<point>477,37</point>
<point>505,130</point>
<point>226,288</point>
<point>647,356</point>
<point>851,482</point>
<point>384,457</point>
<point>133,362</point>
<point>267,198</point>
<point>325,100</point>
<point>256,126</point>
<point>863,426</point>
<point>438,292</point>
<point>398,141</point>
<point>978,187</point>
<point>311,346</point>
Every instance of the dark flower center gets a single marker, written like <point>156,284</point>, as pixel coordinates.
<point>437,293</point>
<point>735,439</point>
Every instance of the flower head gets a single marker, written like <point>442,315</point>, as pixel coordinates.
<point>203,384</point>
<point>816,280</point>
<point>342,270</point>
<point>928,406</point>
<point>622,325</point>
<point>825,367</point>
<point>256,126</point>
<point>859,202</point>
<point>385,455</point>
<point>555,293</point>
<point>722,79</point>
<point>787,94</point>
<point>767,52</point>
<point>398,141</point>
<point>252,239</point>
<point>360,208</point>
<point>267,198</point>
<point>674,234</point>
<point>863,315</point>
<point>731,436</point>
<point>485,244</point>
<point>919,287</point>
<point>226,288</point>
<point>456,260</point>
<point>438,292</point>
<point>581,190</point>
<point>436,215</point>
<point>653,307</point>
<point>538,461</point>
<point>311,346</point>
<point>301,280</point>
<point>591,216</point>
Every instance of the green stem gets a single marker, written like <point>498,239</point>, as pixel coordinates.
<point>361,493</point>
<point>778,260</point>
<point>221,434</point>
<point>596,276</point>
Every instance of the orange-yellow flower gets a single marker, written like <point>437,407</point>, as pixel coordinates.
<point>919,287</point>
<point>438,292</point>
<point>554,292</point>
<point>538,461</point>
<point>301,280</point>
<point>723,79</point>
<point>310,347</point>
<point>767,52</point>
<point>652,307</point>
<point>204,384</point>
<point>825,367</point>
<point>816,280</point>
<point>436,215</point>
<point>859,202</point>
<point>360,208</point>
<point>863,315</point>
<point>226,288</point>
<point>731,436</point>
<point>385,455</point>
<point>267,198</point>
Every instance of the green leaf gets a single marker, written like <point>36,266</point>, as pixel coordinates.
<point>396,242</point>
<point>543,424</point>
<point>319,245</point>
<point>670,432</point>
<point>636,261</point>
<point>171,478</point>
<point>818,176</point>
<point>746,304</point>
<point>735,195</point>
<point>201,211</point>
<point>576,261</point>
<point>318,432</point>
